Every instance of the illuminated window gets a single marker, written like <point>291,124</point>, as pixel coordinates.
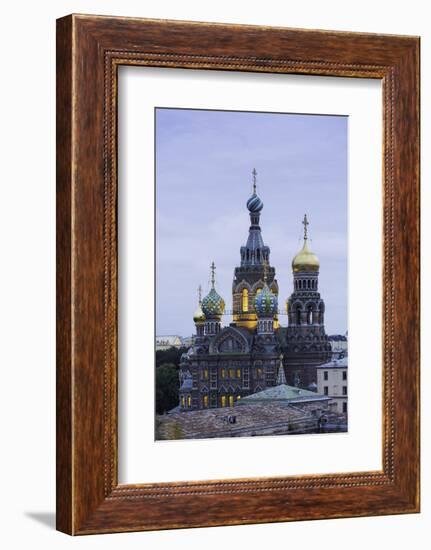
<point>189,401</point>
<point>231,373</point>
<point>238,373</point>
<point>223,401</point>
<point>238,398</point>
<point>206,374</point>
<point>182,401</point>
<point>205,401</point>
<point>245,299</point>
<point>223,373</point>
<point>230,400</point>
<point>259,372</point>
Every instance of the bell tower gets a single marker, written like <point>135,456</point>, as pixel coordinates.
<point>248,278</point>
<point>307,344</point>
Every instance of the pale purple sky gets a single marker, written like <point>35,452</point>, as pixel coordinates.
<point>204,161</point>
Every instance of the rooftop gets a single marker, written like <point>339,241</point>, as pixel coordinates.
<point>335,364</point>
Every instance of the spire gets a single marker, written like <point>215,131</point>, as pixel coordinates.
<point>305,223</point>
<point>254,180</point>
<point>281,378</point>
<point>213,268</point>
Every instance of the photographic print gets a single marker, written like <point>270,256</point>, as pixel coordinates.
<point>251,274</point>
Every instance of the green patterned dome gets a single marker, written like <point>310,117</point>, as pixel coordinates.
<point>213,304</point>
<point>266,303</point>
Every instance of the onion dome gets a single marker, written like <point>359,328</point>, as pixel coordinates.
<point>254,204</point>
<point>266,303</point>
<point>199,316</point>
<point>213,304</point>
<point>305,261</point>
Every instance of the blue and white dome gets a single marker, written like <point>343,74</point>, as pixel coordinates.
<point>254,204</point>
<point>213,304</point>
<point>266,303</point>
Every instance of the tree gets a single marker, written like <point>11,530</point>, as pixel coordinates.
<point>167,386</point>
<point>171,355</point>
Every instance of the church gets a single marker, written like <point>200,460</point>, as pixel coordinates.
<point>228,363</point>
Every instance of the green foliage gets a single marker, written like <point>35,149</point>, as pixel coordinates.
<point>167,386</point>
<point>171,355</point>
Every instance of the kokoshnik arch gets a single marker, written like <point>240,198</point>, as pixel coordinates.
<point>254,352</point>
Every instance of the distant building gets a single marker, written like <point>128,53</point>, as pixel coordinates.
<point>188,341</point>
<point>332,382</point>
<point>166,342</point>
<point>339,345</point>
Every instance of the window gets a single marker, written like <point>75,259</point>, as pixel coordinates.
<point>310,315</point>
<point>189,401</point>
<point>259,373</point>
<point>238,373</point>
<point>223,373</point>
<point>325,390</point>
<point>245,300</point>
<point>325,375</point>
<point>344,375</point>
<point>231,373</point>
<point>344,390</point>
<point>183,403</point>
<point>298,315</point>
<point>223,401</point>
<point>205,374</point>
<point>344,407</point>
<point>230,400</point>
<point>205,401</point>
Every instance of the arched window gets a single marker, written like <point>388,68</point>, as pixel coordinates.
<point>183,403</point>
<point>223,401</point>
<point>245,300</point>
<point>248,254</point>
<point>205,401</point>
<point>298,315</point>
<point>258,255</point>
<point>310,315</point>
<point>189,401</point>
<point>230,400</point>
<point>308,283</point>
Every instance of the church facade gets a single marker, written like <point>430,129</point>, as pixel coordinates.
<point>227,363</point>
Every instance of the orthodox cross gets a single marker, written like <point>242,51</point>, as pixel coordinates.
<point>200,293</point>
<point>254,180</point>
<point>213,268</point>
<point>305,222</point>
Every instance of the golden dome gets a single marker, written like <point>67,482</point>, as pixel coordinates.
<point>305,260</point>
<point>199,315</point>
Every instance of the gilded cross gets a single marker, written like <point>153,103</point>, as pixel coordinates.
<point>200,293</point>
<point>213,268</point>
<point>305,223</point>
<point>254,180</point>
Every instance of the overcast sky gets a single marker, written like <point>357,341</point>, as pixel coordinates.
<point>204,161</point>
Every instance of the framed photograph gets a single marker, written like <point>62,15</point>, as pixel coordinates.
<point>237,274</point>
